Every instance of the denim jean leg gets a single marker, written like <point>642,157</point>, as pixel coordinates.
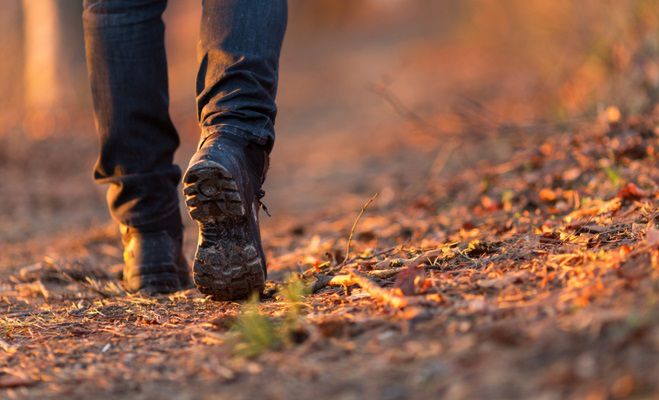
<point>238,54</point>
<point>124,41</point>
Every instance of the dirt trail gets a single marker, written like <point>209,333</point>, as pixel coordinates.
<point>537,277</point>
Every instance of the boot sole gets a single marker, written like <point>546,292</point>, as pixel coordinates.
<point>227,265</point>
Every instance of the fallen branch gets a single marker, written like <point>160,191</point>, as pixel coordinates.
<point>429,257</point>
<point>364,260</point>
<point>354,277</point>
<point>345,280</point>
<point>385,273</point>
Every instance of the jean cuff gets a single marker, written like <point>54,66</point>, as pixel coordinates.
<point>170,219</point>
<point>263,136</point>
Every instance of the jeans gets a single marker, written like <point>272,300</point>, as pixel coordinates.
<point>238,56</point>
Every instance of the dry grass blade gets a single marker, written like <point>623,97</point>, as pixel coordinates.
<point>354,226</point>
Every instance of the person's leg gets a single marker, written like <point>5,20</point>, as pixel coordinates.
<point>238,53</point>
<point>236,86</point>
<point>124,41</point>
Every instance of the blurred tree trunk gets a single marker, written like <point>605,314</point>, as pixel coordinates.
<point>55,80</point>
<point>42,86</point>
<point>11,67</point>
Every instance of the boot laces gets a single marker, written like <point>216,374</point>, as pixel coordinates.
<point>259,195</point>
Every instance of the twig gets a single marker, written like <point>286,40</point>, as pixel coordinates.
<point>374,255</point>
<point>8,347</point>
<point>344,279</point>
<point>354,226</point>
<point>410,305</point>
<point>442,157</point>
<point>353,277</point>
<point>429,256</point>
<point>385,273</point>
<point>405,112</point>
<point>26,314</point>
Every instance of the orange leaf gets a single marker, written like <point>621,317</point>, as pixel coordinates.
<point>489,204</point>
<point>632,192</point>
<point>407,279</point>
<point>547,195</point>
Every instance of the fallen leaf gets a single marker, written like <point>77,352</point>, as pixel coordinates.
<point>408,280</point>
<point>624,251</point>
<point>425,285</point>
<point>593,208</point>
<point>613,114</point>
<point>435,297</point>
<point>489,204</point>
<point>571,174</point>
<point>632,192</point>
<point>623,387</point>
<point>547,195</point>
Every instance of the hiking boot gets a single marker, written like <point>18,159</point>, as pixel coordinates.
<point>222,189</point>
<point>153,261</point>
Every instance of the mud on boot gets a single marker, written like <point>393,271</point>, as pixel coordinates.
<point>221,188</point>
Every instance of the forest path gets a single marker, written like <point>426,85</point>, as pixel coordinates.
<point>537,277</point>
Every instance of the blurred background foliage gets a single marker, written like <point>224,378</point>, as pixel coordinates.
<point>525,60</point>
<point>375,95</point>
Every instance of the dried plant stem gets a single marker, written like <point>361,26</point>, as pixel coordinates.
<point>354,226</point>
<point>427,257</point>
<point>385,273</point>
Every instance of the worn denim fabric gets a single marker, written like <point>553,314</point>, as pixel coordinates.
<point>238,53</point>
